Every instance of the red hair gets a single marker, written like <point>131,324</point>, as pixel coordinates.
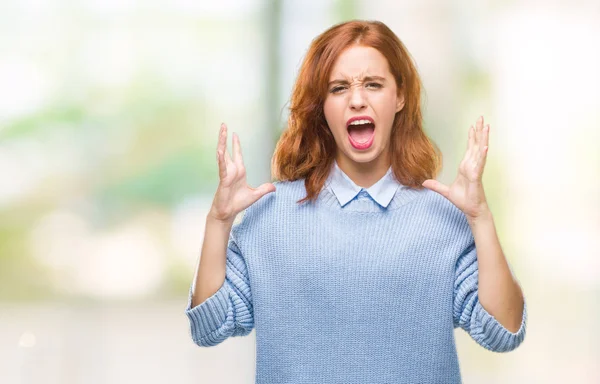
<point>306,149</point>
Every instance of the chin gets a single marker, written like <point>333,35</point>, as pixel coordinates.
<point>365,156</point>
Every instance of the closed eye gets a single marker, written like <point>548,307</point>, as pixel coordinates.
<point>337,89</point>
<point>369,85</point>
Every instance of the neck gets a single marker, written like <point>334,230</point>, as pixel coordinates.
<point>364,174</point>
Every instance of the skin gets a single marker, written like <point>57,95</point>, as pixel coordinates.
<point>351,92</point>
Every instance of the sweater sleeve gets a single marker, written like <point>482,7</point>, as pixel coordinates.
<point>229,311</point>
<point>471,316</point>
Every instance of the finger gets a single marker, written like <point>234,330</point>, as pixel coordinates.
<point>481,161</point>
<point>482,148</point>
<point>473,150</point>
<point>262,190</point>
<point>486,135</point>
<point>478,142</point>
<point>436,186</point>
<point>220,152</point>
<point>471,141</point>
<point>484,140</point>
<point>479,126</point>
<point>222,137</point>
<point>223,146</point>
<point>237,149</point>
<point>265,188</point>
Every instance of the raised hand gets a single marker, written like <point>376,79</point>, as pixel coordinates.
<point>233,193</point>
<point>466,192</point>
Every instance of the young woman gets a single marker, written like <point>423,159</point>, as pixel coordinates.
<point>355,266</point>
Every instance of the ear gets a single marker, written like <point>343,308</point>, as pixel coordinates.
<point>400,102</point>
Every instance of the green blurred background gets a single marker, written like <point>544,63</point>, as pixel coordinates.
<point>109,114</point>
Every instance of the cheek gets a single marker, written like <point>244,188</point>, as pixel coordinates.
<point>387,103</point>
<point>332,112</point>
<point>387,111</point>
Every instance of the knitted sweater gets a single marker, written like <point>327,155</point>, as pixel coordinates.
<point>351,292</point>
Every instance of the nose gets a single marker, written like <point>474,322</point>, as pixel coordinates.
<point>357,99</point>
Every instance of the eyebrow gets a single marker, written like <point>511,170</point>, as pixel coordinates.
<point>365,79</point>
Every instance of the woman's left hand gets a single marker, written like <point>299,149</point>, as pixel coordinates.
<point>466,192</point>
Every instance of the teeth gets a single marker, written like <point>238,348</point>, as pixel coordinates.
<point>359,122</point>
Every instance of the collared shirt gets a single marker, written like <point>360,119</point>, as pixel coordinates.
<point>345,189</point>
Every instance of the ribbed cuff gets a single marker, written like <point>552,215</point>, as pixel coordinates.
<point>495,336</point>
<point>209,316</point>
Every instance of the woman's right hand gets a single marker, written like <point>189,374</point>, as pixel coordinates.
<point>233,193</point>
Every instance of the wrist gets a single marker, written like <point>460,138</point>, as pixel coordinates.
<point>484,215</point>
<point>225,223</point>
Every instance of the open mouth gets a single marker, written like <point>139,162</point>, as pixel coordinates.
<point>361,131</point>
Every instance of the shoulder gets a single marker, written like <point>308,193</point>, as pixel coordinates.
<point>290,189</point>
<point>440,208</point>
<point>443,219</point>
<point>447,226</point>
<point>286,193</point>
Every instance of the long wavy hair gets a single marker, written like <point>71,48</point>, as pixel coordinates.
<point>306,149</point>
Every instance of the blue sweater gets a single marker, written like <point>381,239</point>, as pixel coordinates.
<point>365,286</point>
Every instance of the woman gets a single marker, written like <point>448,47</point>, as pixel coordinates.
<point>349,269</point>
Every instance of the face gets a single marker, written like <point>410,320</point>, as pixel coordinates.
<point>362,86</point>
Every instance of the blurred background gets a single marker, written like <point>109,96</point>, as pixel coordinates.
<point>109,114</point>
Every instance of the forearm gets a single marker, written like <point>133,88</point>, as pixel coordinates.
<point>499,292</point>
<point>210,274</point>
